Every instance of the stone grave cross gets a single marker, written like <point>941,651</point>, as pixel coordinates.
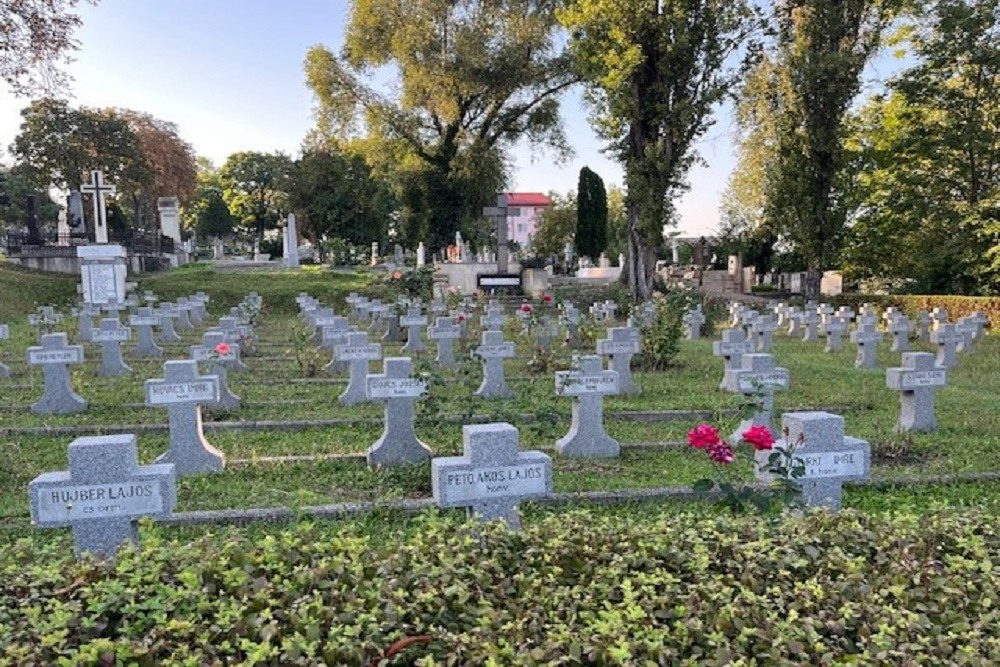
<point>111,335</point>
<point>209,352</point>
<point>54,355</point>
<point>899,328</point>
<point>831,458</point>
<point>758,378</point>
<point>356,352</point>
<point>399,443</point>
<point>916,381</point>
<point>946,339</point>
<point>167,312</point>
<point>493,350</point>
<point>413,322</point>
<point>835,328</point>
<point>445,332</point>
<point>731,348</point>
<point>492,476</point>
<point>4,335</point>
<point>183,391</point>
<point>620,346</point>
<point>98,190</point>
<point>810,319</point>
<point>144,321</point>
<point>867,338</point>
<point>588,383</point>
<point>102,494</point>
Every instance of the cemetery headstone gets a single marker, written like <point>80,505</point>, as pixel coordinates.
<point>54,355</point>
<point>810,319</point>
<point>694,320</point>
<point>731,348</point>
<point>940,317</point>
<point>103,494</point>
<point>620,346</point>
<point>916,381</point>
<point>413,322</point>
<point>4,335</point>
<point>493,350</point>
<point>794,318</point>
<point>111,335</point>
<point>836,326</point>
<point>571,320</point>
<point>899,328</point>
<point>183,391</point>
<point>867,338</point>
<point>492,476</point>
<point>923,326</point>
<point>167,313</point>
<point>85,323</point>
<point>445,332</point>
<point>588,384</point>
<point>144,322</point>
<point>356,352</point>
<point>831,458</point>
<point>764,328</point>
<point>758,378</point>
<point>215,352</point>
<point>946,339</point>
<point>395,386</point>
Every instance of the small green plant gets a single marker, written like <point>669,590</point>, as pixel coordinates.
<point>661,336</point>
<point>308,358</point>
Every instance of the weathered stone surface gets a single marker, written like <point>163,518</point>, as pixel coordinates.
<point>588,383</point>
<point>493,351</point>
<point>110,336</point>
<point>395,386</point>
<point>54,355</point>
<point>183,391</point>
<point>916,381</point>
<point>356,352</point>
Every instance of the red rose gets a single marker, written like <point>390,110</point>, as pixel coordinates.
<point>546,298</point>
<point>759,436</point>
<point>397,275</point>
<point>222,349</point>
<point>703,436</point>
<point>526,308</point>
<point>720,452</point>
<point>460,318</point>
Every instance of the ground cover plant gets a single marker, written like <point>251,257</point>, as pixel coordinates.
<point>289,414</point>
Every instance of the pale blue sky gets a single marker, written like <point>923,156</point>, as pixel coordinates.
<point>229,74</point>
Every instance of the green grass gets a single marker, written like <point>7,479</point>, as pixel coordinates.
<point>968,411</point>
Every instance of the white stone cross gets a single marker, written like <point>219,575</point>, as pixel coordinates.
<point>208,352</point>
<point>413,322</point>
<point>4,335</point>
<point>867,338</point>
<point>102,494</point>
<point>493,351</point>
<point>53,355</point>
<point>946,338</point>
<point>111,335</point>
<point>588,383</point>
<point>731,348</point>
<point>492,476</point>
<point>916,381</point>
<point>98,189</point>
<point>620,346</point>
<point>183,391</point>
<point>399,443</point>
<point>445,331</point>
<point>356,352</point>
<point>758,377</point>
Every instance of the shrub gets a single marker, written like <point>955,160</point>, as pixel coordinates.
<point>572,588</point>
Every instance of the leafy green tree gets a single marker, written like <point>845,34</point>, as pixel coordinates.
<point>812,75</point>
<point>472,78</point>
<point>255,187</point>
<point>335,196</point>
<point>591,215</point>
<point>655,69</point>
<point>212,215</point>
<point>617,222</point>
<point>35,37</point>
<point>15,188</point>
<point>556,226</point>
<point>928,195</point>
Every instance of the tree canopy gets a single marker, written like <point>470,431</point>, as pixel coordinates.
<point>36,37</point>
<point>473,77</point>
<point>591,215</point>
<point>255,187</point>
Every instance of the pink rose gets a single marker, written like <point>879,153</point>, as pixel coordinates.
<point>526,308</point>
<point>223,349</point>
<point>759,436</point>
<point>720,452</point>
<point>546,298</point>
<point>703,436</point>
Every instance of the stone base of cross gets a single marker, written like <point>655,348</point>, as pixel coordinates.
<point>102,494</point>
<point>492,476</point>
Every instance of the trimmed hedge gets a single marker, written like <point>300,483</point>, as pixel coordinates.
<point>957,306</point>
<point>578,588</point>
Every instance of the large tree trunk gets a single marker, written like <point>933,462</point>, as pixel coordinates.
<point>638,271</point>
<point>813,277</point>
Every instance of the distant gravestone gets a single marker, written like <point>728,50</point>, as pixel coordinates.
<point>395,386</point>
<point>102,494</point>
<point>588,384</point>
<point>393,334</point>
<point>184,310</point>
<point>183,391</point>
<point>54,355</point>
<point>492,476</point>
<point>758,377</point>
<point>810,320</point>
<point>899,329</point>
<point>940,317</point>
<point>215,361</point>
<point>413,322</point>
<point>493,320</point>
<point>356,352</point>
<point>493,350</point>
<point>445,332</point>
<point>916,381</point>
<point>620,346</point>
<point>234,334</point>
<point>836,326</point>
<point>923,324</point>
<point>967,329</point>
<point>4,335</point>
<point>794,318</point>
<point>144,321</point>
<point>867,338</point>
<point>831,458</point>
<point>167,313</point>
<point>946,339</point>
<point>847,313</point>
<point>333,335</point>
<point>764,328</point>
<point>731,348</point>
<point>694,320</point>
<point>571,320</point>
<point>85,322</point>
<point>111,335</point>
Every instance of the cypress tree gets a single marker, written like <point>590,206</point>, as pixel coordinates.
<point>591,215</point>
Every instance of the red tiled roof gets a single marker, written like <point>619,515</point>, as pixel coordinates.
<point>527,199</point>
